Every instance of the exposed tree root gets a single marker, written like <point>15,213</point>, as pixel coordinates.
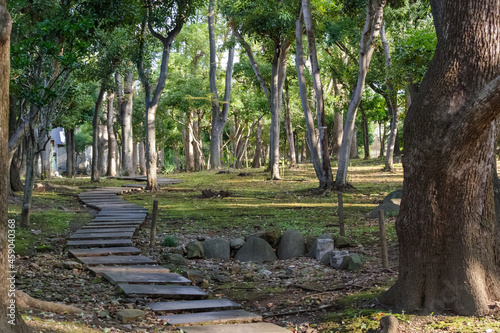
<point>26,302</point>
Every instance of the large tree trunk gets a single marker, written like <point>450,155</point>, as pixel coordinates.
<point>354,144</point>
<point>10,320</point>
<point>111,135</point>
<point>95,136</point>
<point>289,127</point>
<point>448,236</point>
<point>219,118</point>
<point>393,106</point>
<point>318,90</point>
<point>126,107</point>
<point>278,73</point>
<point>371,30</point>
<point>16,183</point>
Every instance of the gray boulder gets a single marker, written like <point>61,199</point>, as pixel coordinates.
<point>256,250</point>
<point>130,315</point>
<point>337,257</point>
<point>291,245</point>
<point>217,248</point>
<point>342,241</point>
<point>320,250</point>
<point>390,205</point>
<point>195,250</point>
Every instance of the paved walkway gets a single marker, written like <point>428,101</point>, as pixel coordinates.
<point>105,247</point>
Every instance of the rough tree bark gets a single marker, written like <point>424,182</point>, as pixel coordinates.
<point>392,104</point>
<point>102,147</point>
<point>448,235</point>
<point>8,311</point>
<point>338,131</point>
<point>219,118</point>
<point>111,135</point>
<point>366,141</point>
<point>94,176</point>
<point>371,30</point>
<point>142,158</point>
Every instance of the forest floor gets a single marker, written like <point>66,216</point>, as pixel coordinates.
<point>300,294</point>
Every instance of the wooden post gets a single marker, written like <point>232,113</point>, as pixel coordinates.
<point>153,225</point>
<point>341,213</point>
<point>383,238</point>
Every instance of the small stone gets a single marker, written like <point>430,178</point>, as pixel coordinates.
<point>352,262</point>
<point>130,315</point>
<point>195,275</point>
<point>36,232</point>
<point>342,241</point>
<point>235,269</point>
<point>103,314</point>
<point>337,257</point>
<point>69,264</point>
<point>248,277</point>
<point>174,259</point>
<point>129,306</point>
<point>237,243</point>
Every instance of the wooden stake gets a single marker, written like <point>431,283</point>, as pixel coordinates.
<point>341,213</point>
<point>383,239</point>
<point>152,239</point>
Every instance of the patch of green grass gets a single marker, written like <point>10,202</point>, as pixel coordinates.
<point>170,241</point>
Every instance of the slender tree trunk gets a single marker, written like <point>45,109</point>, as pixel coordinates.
<point>126,108</point>
<point>29,181</point>
<point>111,135</point>
<point>219,118</point>
<point>10,320</point>
<point>382,131</point>
<point>312,139</point>
<point>188,143</point>
<point>393,106</point>
<point>142,159</point>
<point>448,236</point>
<point>371,30</point>
<point>278,73</point>
<point>338,131</point>
<point>46,156</point>
<point>366,133</point>
<point>102,153</point>
<point>318,89</point>
<point>289,127</point>
<point>135,156</point>
<point>354,144</point>
<point>95,136</point>
<point>256,162</point>
<point>14,174</point>
<point>70,152</point>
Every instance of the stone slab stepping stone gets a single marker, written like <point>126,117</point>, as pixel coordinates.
<point>216,317</point>
<point>169,291</point>
<point>100,235</point>
<point>116,260</point>
<point>110,226</point>
<point>100,242</point>
<point>239,328</point>
<point>145,278</point>
<point>100,270</point>
<point>118,219</point>
<point>100,230</point>
<point>104,251</point>
<point>197,305</point>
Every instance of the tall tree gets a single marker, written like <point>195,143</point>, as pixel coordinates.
<point>178,11</point>
<point>371,30</point>
<point>219,118</point>
<point>110,118</point>
<point>272,21</point>
<point>448,236</point>
<point>10,319</point>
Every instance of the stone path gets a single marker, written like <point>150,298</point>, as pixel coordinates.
<point>105,247</point>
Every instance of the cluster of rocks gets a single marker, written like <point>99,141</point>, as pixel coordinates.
<point>267,246</point>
